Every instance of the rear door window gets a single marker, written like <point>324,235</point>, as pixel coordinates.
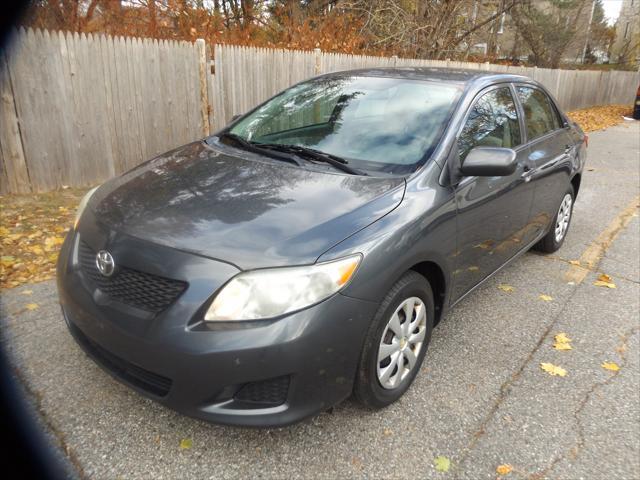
<point>492,122</point>
<point>540,117</point>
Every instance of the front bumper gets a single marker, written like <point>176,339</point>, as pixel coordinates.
<point>201,369</point>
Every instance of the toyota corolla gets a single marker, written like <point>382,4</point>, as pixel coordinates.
<point>305,252</point>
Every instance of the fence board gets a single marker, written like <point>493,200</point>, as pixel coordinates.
<point>14,176</point>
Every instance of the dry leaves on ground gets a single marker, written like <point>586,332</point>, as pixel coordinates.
<point>32,228</point>
<point>604,280</point>
<point>598,118</point>
<point>504,469</point>
<point>552,369</point>
<point>506,288</point>
<point>442,464</point>
<point>613,366</point>
<point>562,342</point>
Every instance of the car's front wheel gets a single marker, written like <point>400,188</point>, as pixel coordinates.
<point>554,239</point>
<point>396,342</point>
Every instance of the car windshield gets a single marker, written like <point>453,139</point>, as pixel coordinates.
<point>379,124</point>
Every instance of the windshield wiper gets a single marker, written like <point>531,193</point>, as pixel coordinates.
<point>255,148</point>
<point>313,154</point>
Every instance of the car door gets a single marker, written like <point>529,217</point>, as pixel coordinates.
<point>550,151</point>
<point>492,212</point>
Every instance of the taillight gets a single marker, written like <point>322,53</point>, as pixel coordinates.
<point>586,140</point>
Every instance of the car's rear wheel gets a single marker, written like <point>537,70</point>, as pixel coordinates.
<point>396,342</point>
<point>554,239</point>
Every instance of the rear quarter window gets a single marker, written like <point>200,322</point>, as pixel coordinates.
<point>540,116</point>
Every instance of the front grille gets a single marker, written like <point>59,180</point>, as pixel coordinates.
<point>131,287</point>
<point>272,392</point>
<point>138,376</point>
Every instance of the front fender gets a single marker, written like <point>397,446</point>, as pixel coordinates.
<point>422,228</point>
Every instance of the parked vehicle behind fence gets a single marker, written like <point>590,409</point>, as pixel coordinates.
<point>306,252</point>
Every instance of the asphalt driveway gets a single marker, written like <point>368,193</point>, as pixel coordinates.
<point>481,399</point>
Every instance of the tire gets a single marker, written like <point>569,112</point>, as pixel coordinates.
<point>552,242</point>
<point>411,289</point>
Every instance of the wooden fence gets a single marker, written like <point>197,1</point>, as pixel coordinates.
<point>78,109</point>
<point>246,76</point>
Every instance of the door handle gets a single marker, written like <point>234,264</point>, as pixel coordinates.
<point>526,174</point>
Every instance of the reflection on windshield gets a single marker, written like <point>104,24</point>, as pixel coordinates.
<point>385,124</point>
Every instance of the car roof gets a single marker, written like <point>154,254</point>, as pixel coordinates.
<point>447,75</point>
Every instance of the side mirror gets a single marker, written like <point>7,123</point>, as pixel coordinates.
<point>489,162</point>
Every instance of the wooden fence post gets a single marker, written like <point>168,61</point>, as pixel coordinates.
<point>210,74</point>
<point>395,60</point>
<point>204,97</point>
<point>318,64</point>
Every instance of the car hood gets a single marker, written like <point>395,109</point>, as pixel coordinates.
<point>245,210</point>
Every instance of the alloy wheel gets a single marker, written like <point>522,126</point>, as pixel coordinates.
<point>401,342</point>
<point>562,220</point>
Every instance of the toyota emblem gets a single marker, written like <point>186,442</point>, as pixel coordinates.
<point>105,263</point>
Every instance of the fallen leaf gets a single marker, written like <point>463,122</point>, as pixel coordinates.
<point>186,443</point>
<point>26,292</point>
<point>387,432</point>
<point>7,260</point>
<point>605,278</point>
<point>613,366</point>
<point>53,241</point>
<point>442,464</point>
<point>504,469</point>
<point>484,245</point>
<point>562,338</point>
<point>473,268</point>
<point>32,306</point>
<point>505,288</point>
<point>546,298</point>
<point>562,342</point>
<point>552,369</point>
<point>574,262</point>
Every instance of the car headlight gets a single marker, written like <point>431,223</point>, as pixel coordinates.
<point>82,205</point>
<point>276,291</point>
